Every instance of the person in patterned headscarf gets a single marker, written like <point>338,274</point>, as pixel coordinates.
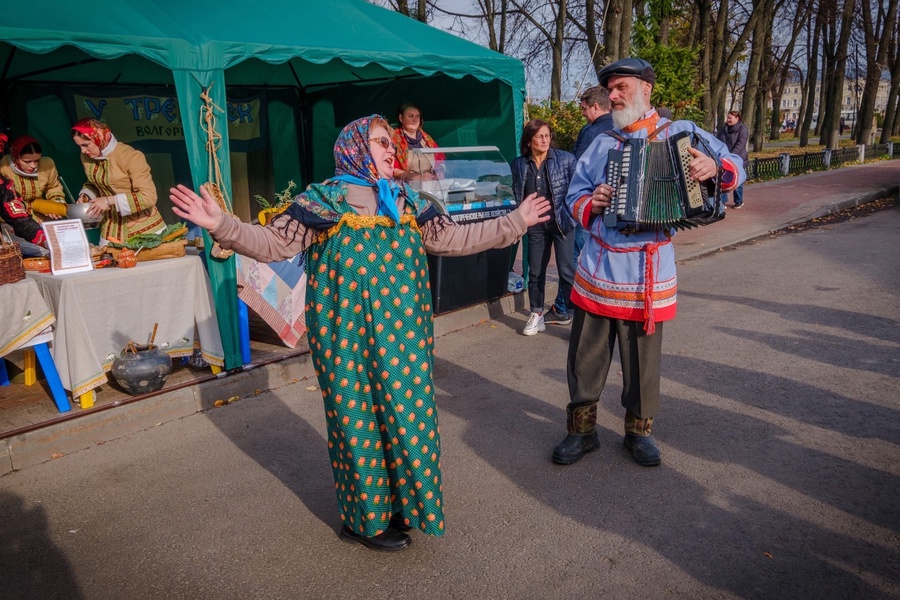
<point>34,176</point>
<point>369,322</point>
<point>119,185</point>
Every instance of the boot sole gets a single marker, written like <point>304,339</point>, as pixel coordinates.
<point>570,460</point>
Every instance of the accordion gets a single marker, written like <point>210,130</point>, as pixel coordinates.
<point>652,188</point>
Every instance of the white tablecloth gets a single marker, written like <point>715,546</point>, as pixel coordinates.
<point>23,315</point>
<point>100,311</point>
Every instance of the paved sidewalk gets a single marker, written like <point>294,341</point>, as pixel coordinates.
<point>769,207</point>
<point>773,205</point>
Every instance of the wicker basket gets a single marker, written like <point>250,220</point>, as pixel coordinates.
<point>11,269</point>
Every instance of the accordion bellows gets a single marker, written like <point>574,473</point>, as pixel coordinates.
<point>652,188</point>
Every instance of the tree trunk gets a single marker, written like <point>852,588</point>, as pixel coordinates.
<point>612,29</point>
<point>593,41</point>
<point>420,12</point>
<point>876,61</point>
<point>891,117</point>
<point>706,61</point>
<point>751,88</point>
<point>830,126</point>
<point>558,43</point>
<point>812,72</point>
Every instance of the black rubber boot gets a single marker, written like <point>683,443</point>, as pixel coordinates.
<point>639,442</point>
<point>582,437</point>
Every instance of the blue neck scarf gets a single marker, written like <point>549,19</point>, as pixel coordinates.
<point>387,194</point>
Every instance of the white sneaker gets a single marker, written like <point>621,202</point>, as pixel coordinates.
<point>534,325</point>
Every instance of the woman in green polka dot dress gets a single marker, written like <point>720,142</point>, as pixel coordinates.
<point>369,322</point>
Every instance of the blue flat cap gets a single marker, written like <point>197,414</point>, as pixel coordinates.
<point>631,67</point>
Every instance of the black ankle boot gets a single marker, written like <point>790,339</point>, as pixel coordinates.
<point>574,446</point>
<point>582,438</point>
<point>388,540</point>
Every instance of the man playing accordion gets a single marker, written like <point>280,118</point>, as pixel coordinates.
<point>625,280</point>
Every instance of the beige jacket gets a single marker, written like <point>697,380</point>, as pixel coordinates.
<point>45,185</point>
<point>125,174</point>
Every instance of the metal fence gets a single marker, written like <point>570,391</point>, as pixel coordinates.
<point>843,155</point>
<point>876,150</point>
<point>808,161</point>
<point>765,168</point>
<point>759,169</point>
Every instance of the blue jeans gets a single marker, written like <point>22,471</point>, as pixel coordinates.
<point>738,197</point>
<point>541,238</point>
<point>561,304</point>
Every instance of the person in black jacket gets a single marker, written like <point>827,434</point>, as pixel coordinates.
<point>546,171</point>
<point>734,134</point>
<point>595,108</point>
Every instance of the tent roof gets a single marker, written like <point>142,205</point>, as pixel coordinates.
<point>202,35</point>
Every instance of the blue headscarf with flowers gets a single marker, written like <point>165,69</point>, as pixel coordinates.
<point>353,163</point>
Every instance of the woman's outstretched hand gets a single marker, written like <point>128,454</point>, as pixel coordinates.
<point>200,210</point>
<point>535,209</point>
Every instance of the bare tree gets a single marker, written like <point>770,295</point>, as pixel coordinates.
<point>552,32</point>
<point>402,7</point>
<point>617,30</point>
<point>891,116</point>
<point>834,45</point>
<point>722,42</point>
<point>812,79</point>
<point>779,68</point>
<point>877,34</point>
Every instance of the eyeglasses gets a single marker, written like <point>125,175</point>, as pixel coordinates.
<point>384,142</point>
<point>543,136</point>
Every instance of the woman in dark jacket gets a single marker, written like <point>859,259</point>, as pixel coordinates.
<point>546,171</point>
<point>734,134</point>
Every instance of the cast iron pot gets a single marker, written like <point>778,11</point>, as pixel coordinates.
<point>141,369</point>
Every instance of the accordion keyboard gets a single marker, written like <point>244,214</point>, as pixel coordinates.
<point>695,195</point>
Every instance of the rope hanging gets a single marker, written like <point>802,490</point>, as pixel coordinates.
<point>214,169</point>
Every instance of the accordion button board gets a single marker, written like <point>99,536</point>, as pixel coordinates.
<point>652,187</point>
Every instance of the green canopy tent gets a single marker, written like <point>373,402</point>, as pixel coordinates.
<point>337,60</point>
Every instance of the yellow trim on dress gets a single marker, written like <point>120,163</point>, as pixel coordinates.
<point>355,221</point>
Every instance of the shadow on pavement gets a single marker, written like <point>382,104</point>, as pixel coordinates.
<point>287,446</point>
<point>697,523</point>
<point>31,566</point>
<point>859,324</point>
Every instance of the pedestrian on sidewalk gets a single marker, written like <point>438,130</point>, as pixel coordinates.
<point>734,134</point>
<point>369,322</point>
<point>625,281</point>
<point>546,171</point>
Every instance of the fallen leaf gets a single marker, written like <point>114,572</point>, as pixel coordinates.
<point>56,455</point>
<point>220,403</point>
<point>311,388</point>
<point>768,555</point>
<point>233,399</point>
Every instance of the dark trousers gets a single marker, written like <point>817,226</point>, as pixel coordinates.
<point>541,238</point>
<point>590,354</point>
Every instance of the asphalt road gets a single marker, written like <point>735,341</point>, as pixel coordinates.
<point>780,476</point>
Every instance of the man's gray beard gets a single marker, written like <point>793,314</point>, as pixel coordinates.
<point>625,116</point>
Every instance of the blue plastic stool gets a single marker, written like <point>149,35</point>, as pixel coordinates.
<point>42,352</point>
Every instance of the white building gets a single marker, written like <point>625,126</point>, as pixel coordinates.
<point>852,96</point>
